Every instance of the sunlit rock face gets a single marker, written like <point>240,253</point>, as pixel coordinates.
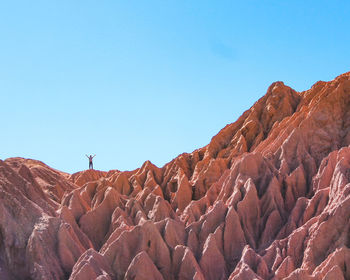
<point>267,198</point>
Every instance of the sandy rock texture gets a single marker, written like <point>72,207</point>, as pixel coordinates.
<point>267,198</point>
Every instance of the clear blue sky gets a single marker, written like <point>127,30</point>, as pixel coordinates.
<point>132,81</point>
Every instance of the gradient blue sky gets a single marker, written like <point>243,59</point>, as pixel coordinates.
<point>147,80</point>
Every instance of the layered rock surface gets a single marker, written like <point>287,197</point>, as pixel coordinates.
<point>267,198</point>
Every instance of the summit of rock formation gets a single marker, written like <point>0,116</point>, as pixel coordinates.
<point>267,198</point>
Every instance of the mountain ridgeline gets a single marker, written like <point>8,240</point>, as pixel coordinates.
<point>267,198</point>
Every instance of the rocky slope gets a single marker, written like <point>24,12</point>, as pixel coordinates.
<point>268,198</point>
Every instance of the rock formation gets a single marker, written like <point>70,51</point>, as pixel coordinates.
<point>267,198</point>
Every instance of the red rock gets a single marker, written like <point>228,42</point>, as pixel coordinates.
<point>121,184</point>
<point>43,260</point>
<point>183,194</point>
<point>234,239</point>
<point>174,233</point>
<point>91,265</point>
<point>144,237</point>
<point>95,223</point>
<point>267,198</point>
<point>185,265</point>
<point>142,268</point>
<point>161,210</point>
<point>80,178</point>
<point>212,261</point>
<point>249,212</point>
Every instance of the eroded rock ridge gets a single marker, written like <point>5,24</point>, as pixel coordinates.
<point>267,198</point>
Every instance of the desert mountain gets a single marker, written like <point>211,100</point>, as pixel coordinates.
<point>267,198</point>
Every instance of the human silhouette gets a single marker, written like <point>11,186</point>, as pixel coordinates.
<point>90,157</point>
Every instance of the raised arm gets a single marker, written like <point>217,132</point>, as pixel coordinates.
<point>93,156</point>
<point>87,156</point>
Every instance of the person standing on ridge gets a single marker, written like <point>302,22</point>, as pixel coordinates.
<point>90,157</point>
